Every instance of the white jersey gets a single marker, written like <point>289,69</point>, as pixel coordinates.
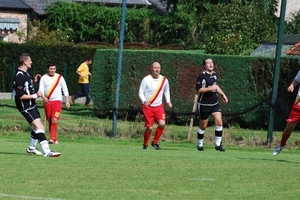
<point>48,87</point>
<point>153,90</point>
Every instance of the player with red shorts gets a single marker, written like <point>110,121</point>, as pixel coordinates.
<point>152,89</point>
<point>52,85</point>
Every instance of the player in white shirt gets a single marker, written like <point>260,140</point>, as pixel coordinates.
<point>52,85</point>
<point>152,89</point>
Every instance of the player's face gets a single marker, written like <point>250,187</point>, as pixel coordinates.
<point>28,62</point>
<point>155,70</point>
<point>51,70</point>
<point>209,65</point>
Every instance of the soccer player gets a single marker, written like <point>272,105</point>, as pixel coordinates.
<point>152,89</point>
<point>25,102</point>
<point>52,85</point>
<point>293,118</point>
<point>208,104</point>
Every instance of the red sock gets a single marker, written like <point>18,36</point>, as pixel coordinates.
<point>158,132</point>
<point>284,138</point>
<point>53,131</point>
<point>50,128</point>
<point>147,136</point>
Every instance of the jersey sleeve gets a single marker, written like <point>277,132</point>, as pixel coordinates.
<point>297,77</point>
<point>199,82</point>
<point>19,86</point>
<point>64,86</point>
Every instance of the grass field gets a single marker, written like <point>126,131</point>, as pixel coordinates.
<point>115,169</point>
<point>95,166</point>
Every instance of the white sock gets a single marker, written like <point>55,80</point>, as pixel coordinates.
<point>45,146</point>
<point>200,141</point>
<point>218,141</point>
<point>33,142</point>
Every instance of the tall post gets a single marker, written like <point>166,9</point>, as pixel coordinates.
<point>115,116</point>
<point>276,72</point>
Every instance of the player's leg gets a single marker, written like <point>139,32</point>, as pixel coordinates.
<point>149,121</point>
<point>292,121</point>
<point>56,107</point>
<point>160,118</point>
<point>203,122</point>
<point>218,130</point>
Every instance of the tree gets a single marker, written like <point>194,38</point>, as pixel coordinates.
<point>292,26</point>
<point>227,31</point>
<point>208,16</point>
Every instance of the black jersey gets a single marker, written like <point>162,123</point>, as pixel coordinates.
<point>205,80</point>
<point>23,84</point>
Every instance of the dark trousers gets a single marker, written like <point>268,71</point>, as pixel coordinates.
<point>85,89</point>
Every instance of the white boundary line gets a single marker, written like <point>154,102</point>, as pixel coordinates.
<point>26,197</point>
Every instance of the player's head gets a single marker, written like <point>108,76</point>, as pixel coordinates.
<point>24,59</point>
<point>51,69</point>
<point>89,60</point>
<point>208,64</point>
<point>155,69</point>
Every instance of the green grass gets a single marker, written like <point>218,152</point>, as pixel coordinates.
<point>96,166</point>
<point>118,169</point>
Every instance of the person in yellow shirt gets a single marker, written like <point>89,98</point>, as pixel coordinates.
<point>84,74</point>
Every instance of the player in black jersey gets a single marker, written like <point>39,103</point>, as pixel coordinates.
<point>25,96</point>
<point>208,103</point>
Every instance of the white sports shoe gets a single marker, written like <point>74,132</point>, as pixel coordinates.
<point>52,154</point>
<point>33,150</point>
<point>277,150</point>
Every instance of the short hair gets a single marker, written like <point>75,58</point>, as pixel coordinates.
<point>23,57</point>
<point>88,59</point>
<point>204,61</point>
<point>50,64</point>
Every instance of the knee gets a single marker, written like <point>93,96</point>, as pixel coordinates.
<point>149,129</point>
<point>54,120</point>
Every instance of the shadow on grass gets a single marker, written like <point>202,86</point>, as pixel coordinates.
<point>265,159</point>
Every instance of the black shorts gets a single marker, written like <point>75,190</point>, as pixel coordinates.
<point>31,114</point>
<point>205,111</point>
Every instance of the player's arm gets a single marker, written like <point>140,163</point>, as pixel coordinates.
<point>224,97</point>
<point>200,88</point>
<point>20,92</point>
<point>65,91</point>
<point>292,86</point>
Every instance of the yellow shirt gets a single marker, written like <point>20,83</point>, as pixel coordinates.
<point>84,71</point>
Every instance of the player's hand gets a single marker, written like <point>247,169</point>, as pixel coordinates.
<point>67,105</point>
<point>169,105</point>
<point>39,93</point>
<point>36,77</point>
<point>290,88</point>
<point>224,99</point>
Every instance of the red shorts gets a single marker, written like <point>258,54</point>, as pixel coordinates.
<point>153,114</point>
<point>294,115</point>
<point>53,109</point>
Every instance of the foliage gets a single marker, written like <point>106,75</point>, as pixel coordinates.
<point>194,24</point>
<point>97,22</point>
<point>292,25</point>
<point>67,58</point>
<point>227,31</point>
<point>39,33</point>
<point>244,24</point>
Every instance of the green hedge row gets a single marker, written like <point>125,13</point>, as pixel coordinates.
<point>66,57</point>
<point>247,81</point>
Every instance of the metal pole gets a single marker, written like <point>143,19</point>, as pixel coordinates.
<point>115,117</point>
<point>276,72</point>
